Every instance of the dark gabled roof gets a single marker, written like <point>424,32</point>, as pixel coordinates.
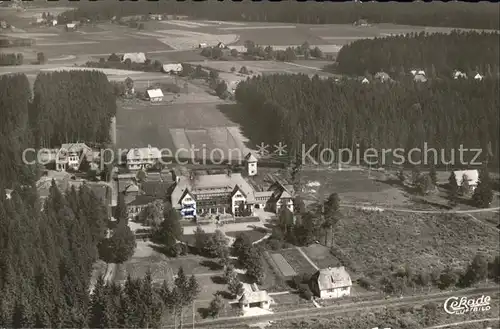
<point>237,189</point>
<point>186,191</point>
<point>142,200</point>
<point>156,189</point>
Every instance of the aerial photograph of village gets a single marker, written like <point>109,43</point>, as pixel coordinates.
<point>231,165</point>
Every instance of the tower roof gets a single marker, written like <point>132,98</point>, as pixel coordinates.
<point>250,157</point>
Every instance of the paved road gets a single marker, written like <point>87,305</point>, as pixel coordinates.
<point>472,211</point>
<point>231,322</point>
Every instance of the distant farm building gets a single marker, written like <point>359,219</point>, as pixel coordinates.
<point>365,81</point>
<point>3,24</point>
<point>419,78</point>
<point>332,282</point>
<point>172,68</point>
<point>472,177</point>
<point>459,75</point>
<point>382,77</point>
<point>70,27</point>
<point>221,45</point>
<point>41,20</point>
<point>135,57</point>
<point>478,77</point>
<point>54,22</point>
<point>155,95</point>
<point>202,45</point>
<point>361,22</point>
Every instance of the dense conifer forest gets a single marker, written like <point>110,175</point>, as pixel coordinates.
<point>438,54</point>
<point>72,106</point>
<point>452,14</point>
<point>446,113</point>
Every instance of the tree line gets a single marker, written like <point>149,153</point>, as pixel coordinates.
<point>457,14</point>
<point>11,59</point>
<point>140,303</point>
<point>444,114</point>
<point>397,55</point>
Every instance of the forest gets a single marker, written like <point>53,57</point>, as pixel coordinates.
<point>396,55</point>
<point>72,106</point>
<point>65,107</point>
<point>298,110</point>
<point>456,14</point>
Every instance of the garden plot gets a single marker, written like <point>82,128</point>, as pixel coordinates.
<point>297,261</point>
<point>202,143</point>
<point>181,142</point>
<point>222,138</point>
<point>284,267</point>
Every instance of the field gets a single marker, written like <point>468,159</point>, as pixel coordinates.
<point>179,126</point>
<point>376,242</point>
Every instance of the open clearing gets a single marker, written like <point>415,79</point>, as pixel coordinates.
<point>376,242</point>
<point>178,126</point>
<point>144,259</point>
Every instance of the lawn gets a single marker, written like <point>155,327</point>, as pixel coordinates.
<point>376,243</point>
<point>299,264</point>
<point>175,126</point>
<point>137,267</point>
<point>321,256</point>
<point>288,302</point>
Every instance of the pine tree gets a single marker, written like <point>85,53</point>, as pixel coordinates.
<point>465,185</point>
<point>453,187</point>
<point>216,306</point>
<point>483,194</point>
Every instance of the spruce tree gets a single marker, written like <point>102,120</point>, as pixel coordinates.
<point>483,194</point>
<point>453,187</point>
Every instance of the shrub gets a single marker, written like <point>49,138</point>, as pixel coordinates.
<point>305,291</point>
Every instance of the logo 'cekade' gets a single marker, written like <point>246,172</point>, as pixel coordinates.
<point>456,305</point>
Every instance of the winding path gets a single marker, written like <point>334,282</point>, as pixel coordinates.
<point>429,211</point>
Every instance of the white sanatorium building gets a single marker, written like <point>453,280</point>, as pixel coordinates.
<point>332,282</point>
<point>202,195</point>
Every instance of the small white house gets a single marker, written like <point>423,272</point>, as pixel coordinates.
<point>221,45</point>
<point>413,72</point>
<point>251,299</point>
<point>332,282</point>
<point>54,22</point>
<point>40,20</point>
<point>421,72</point>
<point>459,75</point>
<point>365,81</point>
<point>478,77</point>
<point>419,78</point>
<point>202,45</point>
<point>135,57</point>
<point>70,26</point>
<point>155,95</point>
<point>172,68</point>
<point>472,177</point>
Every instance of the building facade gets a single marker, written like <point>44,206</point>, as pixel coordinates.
<point>332,282</point>
<point>142,158</point>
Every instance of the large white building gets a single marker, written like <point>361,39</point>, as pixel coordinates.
<point>204,195</point>
<point>70,155</point>
<point>471,175</point>
<point>142,158</point>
